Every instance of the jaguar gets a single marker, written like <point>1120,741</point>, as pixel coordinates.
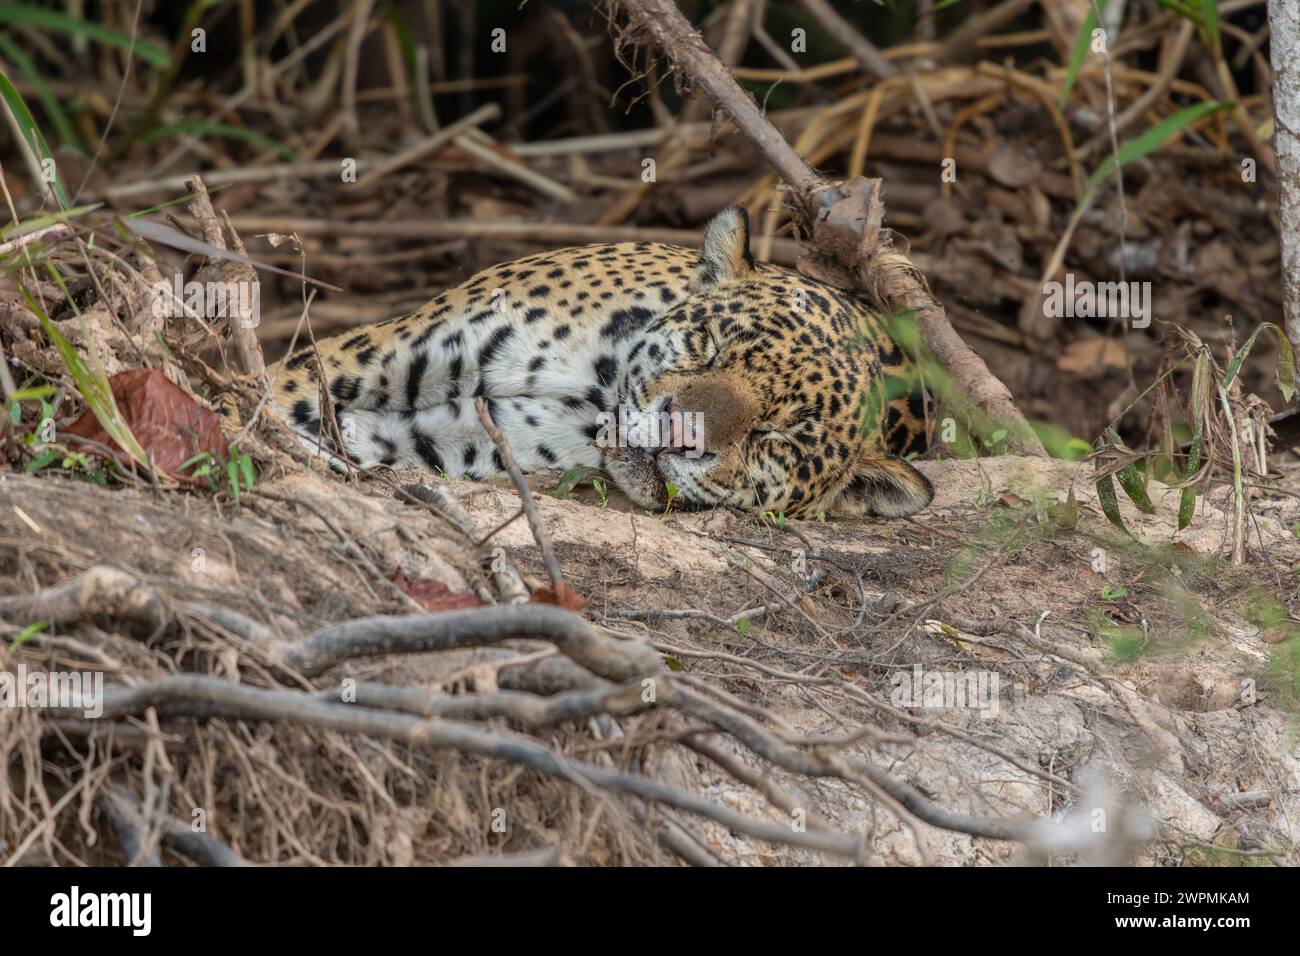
<point>778,393</point>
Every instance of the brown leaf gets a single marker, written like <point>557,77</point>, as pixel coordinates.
<point>563,596</point>
<point>434,596</point>
<point>1092,357</point>
<point>1013,166</point>
<point>169,425</point>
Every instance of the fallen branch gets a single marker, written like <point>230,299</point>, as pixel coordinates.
<point>531,710</point>
<point>127,818</point>
<point>242,328</point>
<point>540,534</point>
<point>476,627</point>
<point>100,590</point>
<point>52,234</point>
<point>212,697</point>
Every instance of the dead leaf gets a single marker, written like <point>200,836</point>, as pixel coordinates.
<point>1012,166</point>
<point>1092,357</point>
<point>169,425</point>
<point>562,596</point>
<point>943,218</point>
<point>434,596</point>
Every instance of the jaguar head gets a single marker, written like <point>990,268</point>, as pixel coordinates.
<point>768,405</point>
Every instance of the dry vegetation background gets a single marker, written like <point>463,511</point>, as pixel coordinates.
<point>402,668</point>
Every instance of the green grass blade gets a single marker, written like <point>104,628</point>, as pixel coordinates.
<point>1182,9</point>
<point>34,394</point>
<point>62,126</point>
<point>1210,14</point>
<point>31,132</point>
<point>1106,496</point>
<point>571,479</point>
<point>1110,502</point>
<point>62,23</point>
<point>1080,53</point>
<point>1132,481</point>
<point>27,633</point>
<point>205,128</point>
<point>93,386</point>
<point>161,206</point>
<point>1149,142</point>
<point>1187,500</point>
<point>405,42</point>
<point>37,223</point>
<point>1285,376</point>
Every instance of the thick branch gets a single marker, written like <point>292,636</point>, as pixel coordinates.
<point>208,696</point>
<point>476,627</point>
<point>243,333</point>
<point>660,22</point>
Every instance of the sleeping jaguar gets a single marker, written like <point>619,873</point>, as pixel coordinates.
<point>698,378</point>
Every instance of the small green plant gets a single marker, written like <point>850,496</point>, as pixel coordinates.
<point>570,480</point>
<point>1125,643</point>
<point>671,490</point>
<point>742,626</point>
<point>1265,611</point>
<point>999,435</point>
<point>78,463</point>
<point>237,471</point>
<point>776,519</point>
<point>27,633</point>
<point>602,492</point>
<point>36,394</point>
<point>39,439</point>
<point>1109,593</point>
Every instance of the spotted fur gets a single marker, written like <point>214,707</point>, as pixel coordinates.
<point>806,402</point>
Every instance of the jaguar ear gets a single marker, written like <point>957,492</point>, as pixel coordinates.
<point>725,257</point>
<point>886,488</point>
